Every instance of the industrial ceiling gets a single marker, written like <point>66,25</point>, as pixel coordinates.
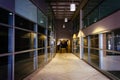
<point>61,8</point>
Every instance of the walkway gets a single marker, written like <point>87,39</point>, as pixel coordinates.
<point>66,66</point>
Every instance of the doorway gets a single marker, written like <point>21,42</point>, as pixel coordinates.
<point>63,46</point>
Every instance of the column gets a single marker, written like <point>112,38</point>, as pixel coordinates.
<point>101,51</point>
<point>11,48</point>
<point>46,46</point>
<point>89,44</point>
<point>81,36</point>
<point>81,47</point>
<point>35,46</point>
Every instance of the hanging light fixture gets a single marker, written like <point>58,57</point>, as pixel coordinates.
<point>72,6</point>
<point>66,20</point>
<point>63,25</point>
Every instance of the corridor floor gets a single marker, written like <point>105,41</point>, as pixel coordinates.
<point>66,66</point>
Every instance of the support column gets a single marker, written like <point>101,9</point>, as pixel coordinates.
<point>11,49</point>
<point>46,45</point>
<point>35,47</point>
<point>89,44</point>
<point>51,45</point>
<point>81,25</point>
<point>81,47</point>
<point>101,51</point>
<point>81,36</point>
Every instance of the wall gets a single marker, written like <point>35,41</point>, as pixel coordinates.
<point>109,23</point>
<point>7,4</point>
<point>42,4</point>
<point>63,32</point>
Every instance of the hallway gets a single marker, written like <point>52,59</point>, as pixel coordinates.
<point>66,66</point>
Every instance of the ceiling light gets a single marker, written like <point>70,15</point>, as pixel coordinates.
<point>74,36</point>
<point>66,20</point>
<point>10,13</point>
<point>63,25</point>
<point>41,21</point>
<point>72,7</point>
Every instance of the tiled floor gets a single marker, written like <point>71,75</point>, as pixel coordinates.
<point>66,66</point>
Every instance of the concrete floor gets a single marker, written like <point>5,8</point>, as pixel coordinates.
<point>66,66</point>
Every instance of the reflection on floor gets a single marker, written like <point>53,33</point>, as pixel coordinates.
<point>66,66</point>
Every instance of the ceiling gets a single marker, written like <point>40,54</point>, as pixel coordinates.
<point>61,8</point>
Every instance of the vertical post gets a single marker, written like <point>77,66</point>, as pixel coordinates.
<point>81,36</point>
<point>46,43</point>
<point>81,47</point>
<point>89,44</point>
<point>101,51</point>
<point>74,43</point>
<point>35,46</point>
<point>81,25</point>
<point>51,44</point>
<point>113,41</point>
<point>11,38</point>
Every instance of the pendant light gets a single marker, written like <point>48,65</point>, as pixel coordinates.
<point>63,25</point>
<point>72,6</point>
<point>66,20</point>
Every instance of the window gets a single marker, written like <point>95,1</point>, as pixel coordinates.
<point>3,39</point>
<point>23,23</point>
<point>23,40</point>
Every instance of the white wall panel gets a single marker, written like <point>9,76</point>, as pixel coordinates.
<point>26,9</point>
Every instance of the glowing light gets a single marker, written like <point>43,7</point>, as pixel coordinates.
<point>10,13</point>
<point>41,21</point>
<point>66,20</point>
<point>72,7</point>
<point>81,34</point>
<point>74,36</point>
<point>63,26</point>
<point>100,29</point>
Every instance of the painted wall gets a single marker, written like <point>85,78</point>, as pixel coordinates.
<point>63,32</point>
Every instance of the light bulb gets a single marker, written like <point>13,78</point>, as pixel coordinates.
<point>72,7</point>
<point>66,20</point>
